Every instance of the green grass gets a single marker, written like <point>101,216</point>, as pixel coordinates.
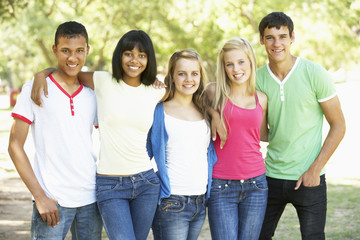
<point>343,216</point>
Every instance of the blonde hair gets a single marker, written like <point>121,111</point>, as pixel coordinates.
<point>199,98</point>
<point>223,83</point>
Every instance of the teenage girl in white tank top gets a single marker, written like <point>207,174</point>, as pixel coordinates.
<point>184,176</point>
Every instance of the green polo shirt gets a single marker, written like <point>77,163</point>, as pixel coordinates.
<point>295,117</point>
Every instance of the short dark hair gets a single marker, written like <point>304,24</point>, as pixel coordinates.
<point>70,29</point>
<point>130,40</point>
<point>276,19</point>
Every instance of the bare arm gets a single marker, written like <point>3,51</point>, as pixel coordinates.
<point>334,116</point>
<point>264,131</point>
<point>40,84</point>
<point>87,79</point>
<point>216,126</point>
<point>45,205</point>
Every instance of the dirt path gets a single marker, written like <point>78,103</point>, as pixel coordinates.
<point>15,209</point>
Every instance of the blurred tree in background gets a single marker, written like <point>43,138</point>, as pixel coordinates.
<point>326,31</point>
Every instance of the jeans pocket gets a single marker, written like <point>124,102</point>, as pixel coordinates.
<point>172,205</point>
<point>313,187</point>
<point>153,179</point>
<point>104,184</point>
<point>321,185</point>
<point>261,184</point>
<point>36,217</point>
<point>217,188</point>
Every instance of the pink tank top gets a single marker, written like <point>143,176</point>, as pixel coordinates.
<point>240,157</point>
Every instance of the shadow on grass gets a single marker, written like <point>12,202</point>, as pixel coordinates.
<point>343,216</point>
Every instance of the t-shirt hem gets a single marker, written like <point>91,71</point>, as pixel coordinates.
<point>115,173</point>
<point>76,205</point>
<point>237,177</point>
<point>15,115</point>
<point>291,178</point>
<point>327,98</point>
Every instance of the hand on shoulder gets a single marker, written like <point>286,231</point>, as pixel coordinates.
<point>210,90</point>
<point>158,84</point>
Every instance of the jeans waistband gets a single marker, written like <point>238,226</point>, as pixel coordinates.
<point>240,181</point>
<point>189,199</point>
<point>322,178</point>
<point>144,174</point>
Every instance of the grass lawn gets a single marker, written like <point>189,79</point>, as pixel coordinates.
<point>343,216</point>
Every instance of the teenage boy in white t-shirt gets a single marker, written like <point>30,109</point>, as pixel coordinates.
<point>62,177</point>
<point>300,93</point>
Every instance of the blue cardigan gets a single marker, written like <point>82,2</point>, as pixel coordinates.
<point>156,143</point>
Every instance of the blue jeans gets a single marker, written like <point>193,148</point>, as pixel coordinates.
<point>237,208</point>
<point>127,204</point>
<point>310,204</point>
<point>179,218</point>
<point>85,223</point>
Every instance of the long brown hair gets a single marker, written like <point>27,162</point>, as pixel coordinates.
<point>199,98</point>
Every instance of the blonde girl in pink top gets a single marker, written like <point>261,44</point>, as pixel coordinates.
<point>238,194</point>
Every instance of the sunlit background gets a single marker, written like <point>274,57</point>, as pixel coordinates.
<point>327,31</point>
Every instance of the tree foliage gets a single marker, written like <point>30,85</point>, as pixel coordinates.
<point>326,31</point>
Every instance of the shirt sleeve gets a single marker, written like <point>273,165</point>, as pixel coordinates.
<point>160,92</point>
<point>24,105</point>
<point>258,84</point>
<point>324,85</point>
<point>100,78</point>
<point>96,120</point>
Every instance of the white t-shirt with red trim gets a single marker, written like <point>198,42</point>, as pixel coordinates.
<point>64,162</point>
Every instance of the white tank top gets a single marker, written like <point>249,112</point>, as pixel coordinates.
<point>186,155</point>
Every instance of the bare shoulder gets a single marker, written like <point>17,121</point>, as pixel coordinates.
<point>262,98</point>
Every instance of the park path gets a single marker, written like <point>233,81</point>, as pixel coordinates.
<point>15,200</point>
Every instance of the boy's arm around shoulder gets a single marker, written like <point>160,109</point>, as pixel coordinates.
<point>45,205</point>
<point>87,78</point>
<point>40,85</point>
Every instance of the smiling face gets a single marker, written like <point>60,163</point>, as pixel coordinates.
<point>187,76</point>
<point>71,54</point>
<point>133,62</point>
<point>237,66</point>
<point>277,43</point>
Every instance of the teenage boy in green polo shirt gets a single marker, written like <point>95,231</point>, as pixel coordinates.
<point>299,93</point>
